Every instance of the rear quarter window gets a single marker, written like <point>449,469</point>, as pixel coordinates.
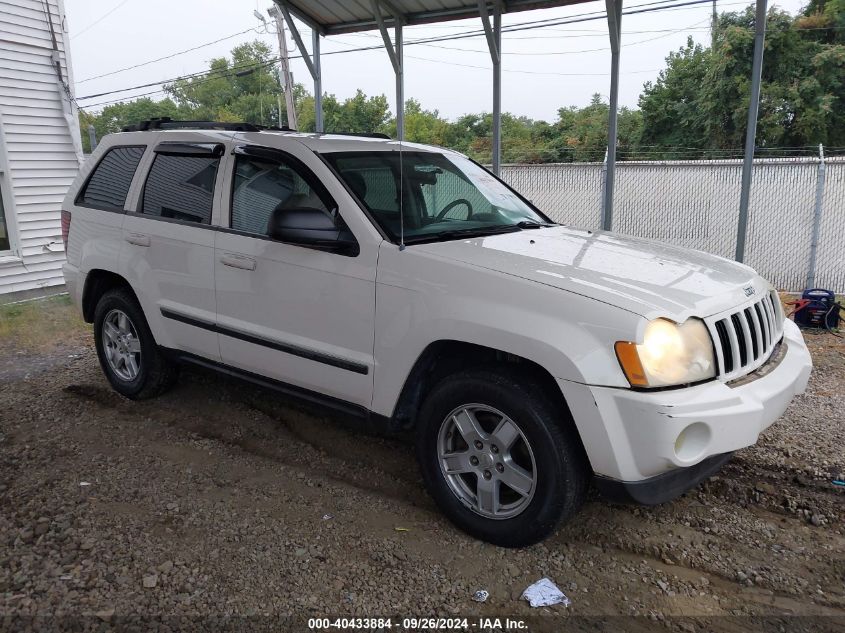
<point>108,185</point>
<point>181,188</point>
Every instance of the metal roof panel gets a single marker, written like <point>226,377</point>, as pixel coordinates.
<point>332,17</point>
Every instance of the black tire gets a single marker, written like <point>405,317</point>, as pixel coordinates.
<point>562,470</point>
<point>155,373</point>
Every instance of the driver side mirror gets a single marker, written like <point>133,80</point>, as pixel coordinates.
<point>306,226</point>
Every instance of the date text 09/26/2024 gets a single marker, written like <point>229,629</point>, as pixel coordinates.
<point>417,624</point>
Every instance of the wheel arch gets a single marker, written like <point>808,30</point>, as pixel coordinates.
<point>446,356</point>
<point>97,283</point>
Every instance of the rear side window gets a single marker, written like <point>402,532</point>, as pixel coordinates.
<point>109,182</point>
<point>181,188</point>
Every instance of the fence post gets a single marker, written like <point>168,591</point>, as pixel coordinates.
<point>92,136</point>
<point>602,211</point>
<point>817,219</point>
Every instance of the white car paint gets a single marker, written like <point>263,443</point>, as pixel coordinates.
<point>560,297</point>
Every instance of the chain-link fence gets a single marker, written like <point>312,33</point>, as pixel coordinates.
<point>696,204</point>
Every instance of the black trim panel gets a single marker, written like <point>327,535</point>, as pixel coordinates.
<point>299,393</point>
<point>197,150</point>
<point>663,487</point>
<point>293,350</point>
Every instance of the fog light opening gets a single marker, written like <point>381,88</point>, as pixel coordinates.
<point>692,442</point>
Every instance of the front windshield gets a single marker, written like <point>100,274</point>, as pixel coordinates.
<point>444,196</point>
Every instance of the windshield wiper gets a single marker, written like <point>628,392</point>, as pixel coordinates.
<point>458,233</point>
<point>530,224</point>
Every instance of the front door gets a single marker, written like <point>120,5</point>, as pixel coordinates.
<point>298,315</point>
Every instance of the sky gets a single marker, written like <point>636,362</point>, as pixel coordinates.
<point>542,69</point>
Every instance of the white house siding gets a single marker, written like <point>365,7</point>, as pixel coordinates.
<point>40,148</point>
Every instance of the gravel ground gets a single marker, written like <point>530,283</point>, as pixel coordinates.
<point>221,499</point>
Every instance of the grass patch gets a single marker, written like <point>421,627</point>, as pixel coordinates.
<point>42,325</point>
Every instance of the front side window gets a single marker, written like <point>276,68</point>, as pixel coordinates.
<point>109,182</point>
<point>443,196</point>
<point>181,188</point>
<point>262,185</point>
<point>5,243</point>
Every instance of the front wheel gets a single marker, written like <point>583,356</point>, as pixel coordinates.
<point>127,351</point>
<point>500,459</point>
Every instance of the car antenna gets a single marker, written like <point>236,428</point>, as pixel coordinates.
<point>401,199</point>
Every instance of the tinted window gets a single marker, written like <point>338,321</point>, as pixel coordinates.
<point>181,188</point>
<point>262,185</point>
<point>109,183</point>
<point>441,196</point>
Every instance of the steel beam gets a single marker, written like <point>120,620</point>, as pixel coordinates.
<point>318,83</point>
<point>312,62</point>
<point>394,51</point>
<point>614,25</point>
<point>751,130</point>
<point>494,44</point>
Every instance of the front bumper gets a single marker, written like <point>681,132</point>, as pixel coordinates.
<point>653,436</point>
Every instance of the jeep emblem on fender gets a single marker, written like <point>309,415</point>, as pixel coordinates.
<point>749,291</point>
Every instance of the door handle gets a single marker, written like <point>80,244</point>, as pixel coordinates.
<point>238,261</point>
<point>138,239</point>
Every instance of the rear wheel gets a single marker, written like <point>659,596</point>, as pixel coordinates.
<point>501,460</point>
<point>127,351</point>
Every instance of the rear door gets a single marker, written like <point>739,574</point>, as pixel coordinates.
<point>168,255</point>
<point>299,315</point>
<point>97,211</point>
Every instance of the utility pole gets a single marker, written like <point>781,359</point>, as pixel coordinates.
<point>713,24</point>
<point>285,65</point>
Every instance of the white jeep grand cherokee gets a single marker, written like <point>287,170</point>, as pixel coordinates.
<point>529,358</point>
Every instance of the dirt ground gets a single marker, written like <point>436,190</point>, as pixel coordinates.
<point>221,499</point>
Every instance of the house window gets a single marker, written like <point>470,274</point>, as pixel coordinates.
<point>5,244</point>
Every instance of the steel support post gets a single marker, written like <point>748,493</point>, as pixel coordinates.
<point>312,62</point>
<point>751,130</point>
<point>400,85</point>
<point>394,51</point>
<point>318,83</point>
<point>614,25</point>
<point>494,44</point>
<point>817,220</point>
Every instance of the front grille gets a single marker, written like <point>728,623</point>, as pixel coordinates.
<point>744,339</point>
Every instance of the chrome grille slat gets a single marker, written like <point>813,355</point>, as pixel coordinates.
<point>767,307</point>
<point>765,323</point>
<point>752,334</point>
<point>750,353</point>
<point>744,338</point>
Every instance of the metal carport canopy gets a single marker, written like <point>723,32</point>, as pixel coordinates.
<point>334,17</point>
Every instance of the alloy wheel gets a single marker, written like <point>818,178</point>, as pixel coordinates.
<point>487,461</point>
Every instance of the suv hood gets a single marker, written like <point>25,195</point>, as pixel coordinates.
<point>643,276</point>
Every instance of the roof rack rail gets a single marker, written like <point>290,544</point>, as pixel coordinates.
<point>166,123</point>
<point>362,134</point>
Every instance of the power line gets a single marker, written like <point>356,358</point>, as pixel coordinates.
<point>100,19</point>
<point>658,5</point>
<point>171,56</point>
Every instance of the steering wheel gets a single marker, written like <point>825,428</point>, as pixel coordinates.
<point>452,205</point>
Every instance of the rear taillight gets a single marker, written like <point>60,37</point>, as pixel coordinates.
<point>65,226</point>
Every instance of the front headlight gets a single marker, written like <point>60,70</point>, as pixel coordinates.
<point>670,354</point>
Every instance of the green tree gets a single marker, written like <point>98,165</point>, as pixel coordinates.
<point>700,101</point>
<point>115,117</point>
<point>244,88</point>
